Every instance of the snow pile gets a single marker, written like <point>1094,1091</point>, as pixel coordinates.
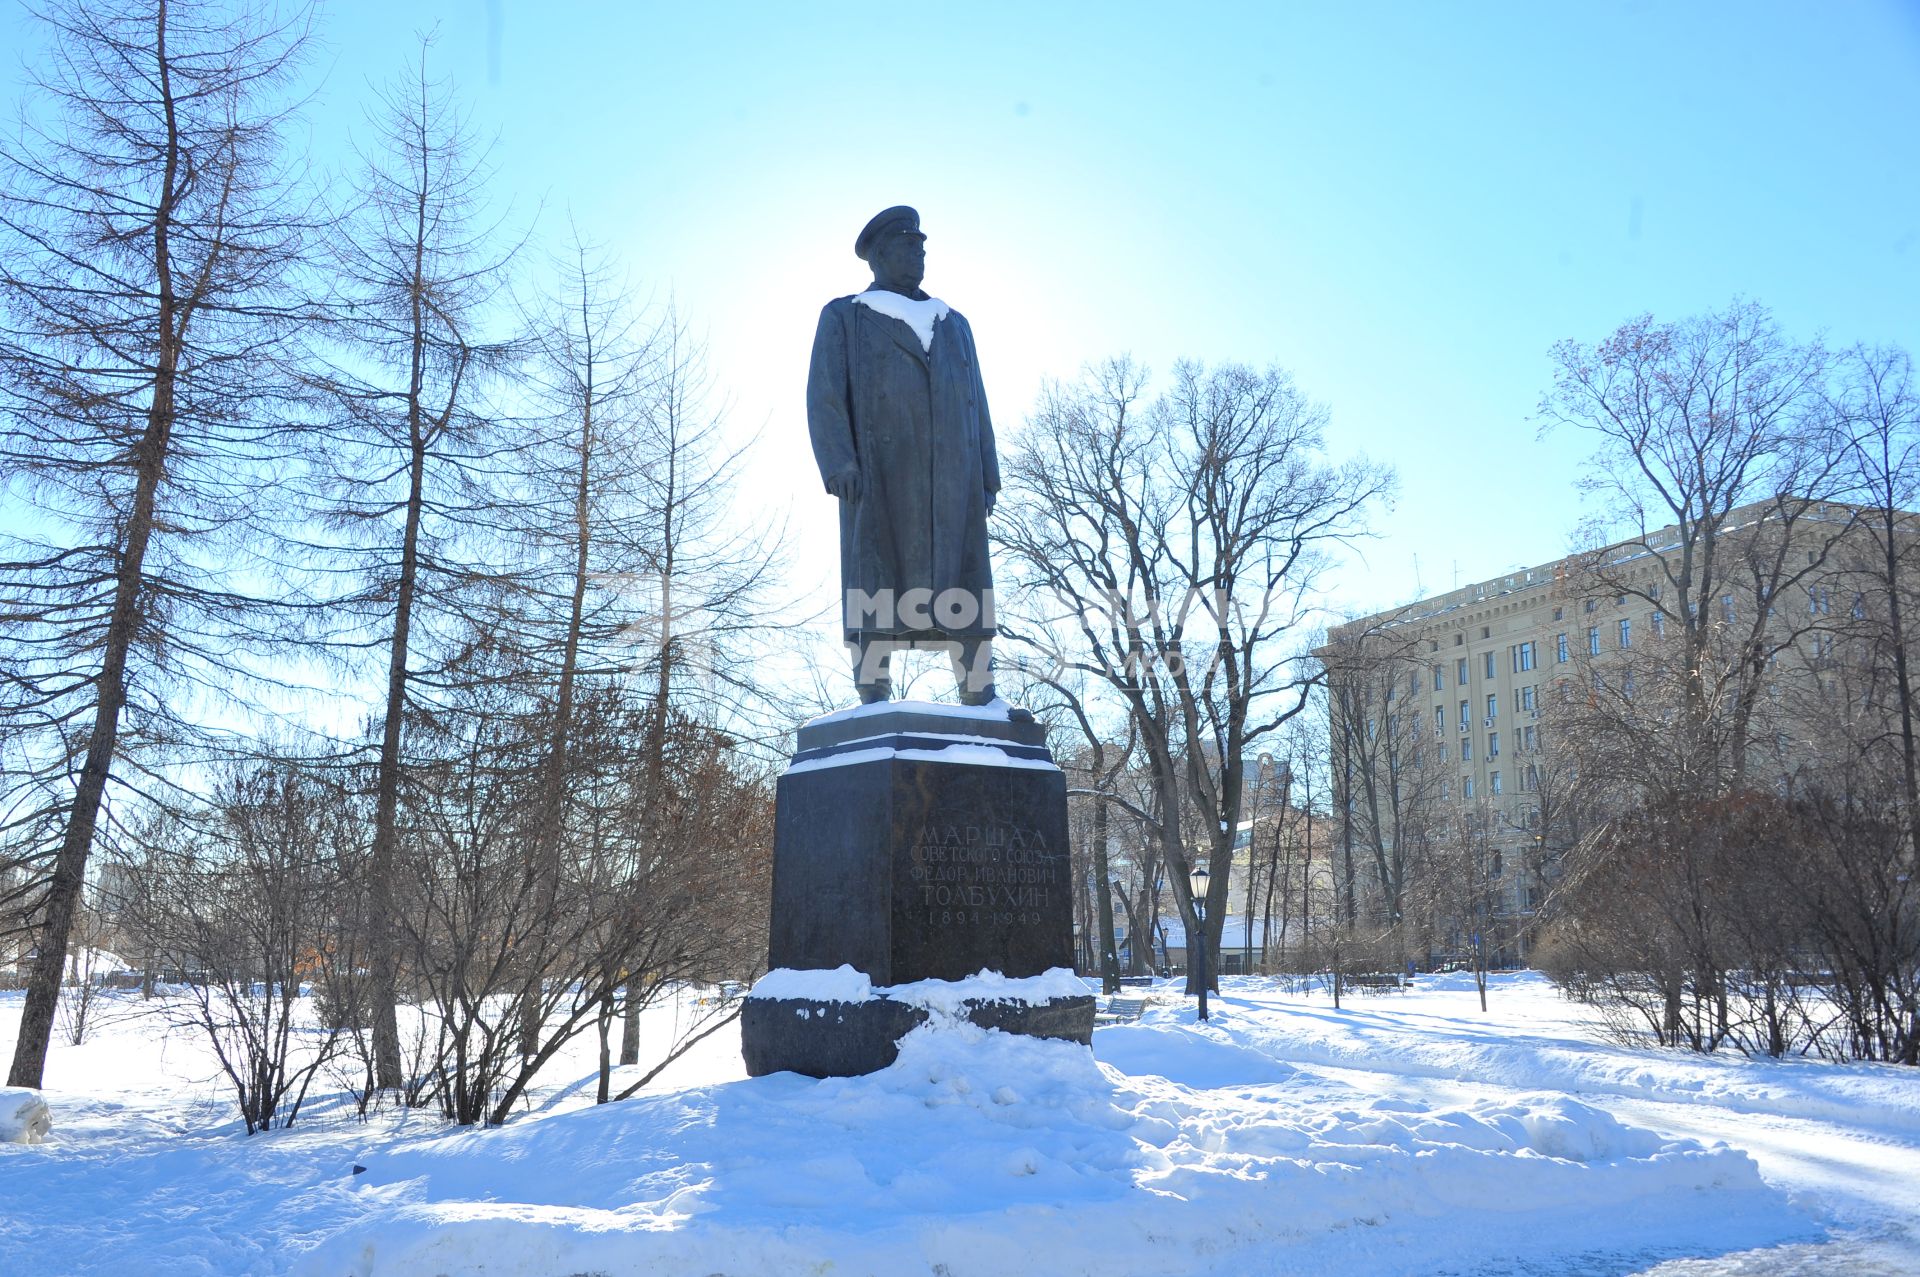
<point>979,1152</point>
<point>1516,1044</point>
<point>842,984</point>
<point>24,1116</point>
<point>948,997</point>
<point>1403,1134</point>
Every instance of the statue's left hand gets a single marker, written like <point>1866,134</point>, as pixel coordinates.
<point>991,495</point>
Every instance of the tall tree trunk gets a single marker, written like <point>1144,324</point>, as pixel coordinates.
<point>656,759</point>
<point>70,865</point>
<point>547,833</point>
<point>1103,900</point>
<point>382,956</point>
<point>1902,683</point>
<point>382,959</point>
<point>69,878</point>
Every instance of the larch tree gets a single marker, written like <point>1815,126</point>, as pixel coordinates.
<point>149,235</point>
<point>413,497</point>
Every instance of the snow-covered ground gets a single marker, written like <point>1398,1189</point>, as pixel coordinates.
<point>1405,1133</point>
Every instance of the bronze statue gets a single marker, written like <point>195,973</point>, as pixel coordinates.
<point>899,423</point>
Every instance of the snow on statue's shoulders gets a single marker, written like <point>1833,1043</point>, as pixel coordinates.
<point>920,316</point>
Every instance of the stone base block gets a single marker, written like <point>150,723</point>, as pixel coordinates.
<point>846,1039</point>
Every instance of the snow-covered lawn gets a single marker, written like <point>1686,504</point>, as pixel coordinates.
<point>1405,1133</point>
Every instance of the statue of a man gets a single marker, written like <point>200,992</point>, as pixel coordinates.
<point>899,423</point>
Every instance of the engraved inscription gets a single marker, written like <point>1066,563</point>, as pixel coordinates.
<point>974,873</point>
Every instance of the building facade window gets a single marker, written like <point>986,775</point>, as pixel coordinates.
<point>1439,721</point>
<point>1466,715</point>
<point>1460,672</point>
<point>1466,749</point>
<point>1657,622</point>
<point>1560,648</point>
<point>1439,679</point>
<point>1626,631</point>
<point>1523,657</point>
<point>1528,700</point>
<point>1466,786</point>
<point>1487,664</point>
<point>1493,704</point>
<point>1529,739</point>
<point>1593,640</point>
<point>1493,746</point>
<point>1726,608</point>
<point>1493,787</point>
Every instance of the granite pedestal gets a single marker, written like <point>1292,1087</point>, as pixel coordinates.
<point>914,842</point>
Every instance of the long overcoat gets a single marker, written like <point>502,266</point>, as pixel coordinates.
<point>914,422</point>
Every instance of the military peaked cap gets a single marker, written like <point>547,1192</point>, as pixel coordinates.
<point>898,218</point>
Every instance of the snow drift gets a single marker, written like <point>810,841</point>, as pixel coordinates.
<point>982,1153</point>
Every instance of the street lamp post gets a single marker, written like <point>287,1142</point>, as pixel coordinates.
<point>1197,943</point>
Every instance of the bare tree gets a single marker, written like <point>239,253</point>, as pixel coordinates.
<point>1877,411</point>
<point>1391,766</point>
<point>1182,539</point>
<point>1715,452</point>
<point>1710,456</point>
<point>585,531</point>
<point>149,234</point>
<point>247,894</point>
<point>409,489</point>
<point>630,916</point>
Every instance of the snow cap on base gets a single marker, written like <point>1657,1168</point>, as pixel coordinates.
<point>24,1116</point>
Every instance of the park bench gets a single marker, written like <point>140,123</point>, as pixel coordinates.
<point>1377,983</point>
<point>1120,1010</point>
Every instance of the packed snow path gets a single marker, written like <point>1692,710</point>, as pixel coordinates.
<point>1405,1133</point>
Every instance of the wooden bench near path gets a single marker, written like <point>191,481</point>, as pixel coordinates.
<point>1120,1010</point>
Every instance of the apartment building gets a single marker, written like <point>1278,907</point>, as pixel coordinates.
<point>1439,705</point>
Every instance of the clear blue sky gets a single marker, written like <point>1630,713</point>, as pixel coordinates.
<point>1404,204</point>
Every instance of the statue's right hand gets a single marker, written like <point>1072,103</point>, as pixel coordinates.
<point>845,485</point>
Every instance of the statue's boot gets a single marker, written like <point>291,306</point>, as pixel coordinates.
<point>872,674</point>
<point>973,671</point>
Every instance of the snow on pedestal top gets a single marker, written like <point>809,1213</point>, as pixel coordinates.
<point>844,984</point>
